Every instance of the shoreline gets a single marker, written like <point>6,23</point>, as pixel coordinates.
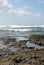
<point>23,56</point>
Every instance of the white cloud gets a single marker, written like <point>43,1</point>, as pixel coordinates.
<point>6,7</point>
<point>22,12</point>
<point>41,1</point>
<point>3,2</point>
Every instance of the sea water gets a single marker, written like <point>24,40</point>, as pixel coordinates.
<point>20,33</point>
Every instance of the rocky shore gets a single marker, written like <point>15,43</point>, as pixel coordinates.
<point>37,39</point>
<point>24,55</point>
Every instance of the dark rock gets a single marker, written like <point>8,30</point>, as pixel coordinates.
<point>37,39</point>
<point>34,56</point>
<point>30,47</point>
<point>18,60</point>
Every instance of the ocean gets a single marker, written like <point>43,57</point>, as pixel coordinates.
<point>14,30</point>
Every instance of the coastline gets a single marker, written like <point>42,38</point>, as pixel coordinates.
<point>24,55</point>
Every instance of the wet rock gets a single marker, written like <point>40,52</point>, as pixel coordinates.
<point>17,60</point>
<point>30,47</point>
<point>37,39</point>
<point>34,56</point>
<point>31,57</point>
<point>19,44</point>
<point>6,40</point>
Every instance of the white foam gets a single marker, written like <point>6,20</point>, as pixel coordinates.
<point>19,28</point>
<point>16,26</point>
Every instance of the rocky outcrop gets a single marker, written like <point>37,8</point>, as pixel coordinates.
<point>37,39</point>
<point>8,39</point>
<point>22,57</point>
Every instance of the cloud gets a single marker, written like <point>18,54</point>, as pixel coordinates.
<point>41,1</point>
<point>21,12</point>
<point>3,2</point>
<point>5,7</point>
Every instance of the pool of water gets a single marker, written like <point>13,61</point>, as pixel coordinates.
<point>32,45</point>
<point>21,38</point>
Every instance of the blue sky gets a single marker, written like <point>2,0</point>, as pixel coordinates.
<point>21,12</point>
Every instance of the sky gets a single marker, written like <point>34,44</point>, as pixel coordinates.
<point>21,12</point>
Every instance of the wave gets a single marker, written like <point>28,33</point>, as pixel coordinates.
<point>21,28</point>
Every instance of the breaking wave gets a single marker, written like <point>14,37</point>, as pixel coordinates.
<point>21,28</point>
